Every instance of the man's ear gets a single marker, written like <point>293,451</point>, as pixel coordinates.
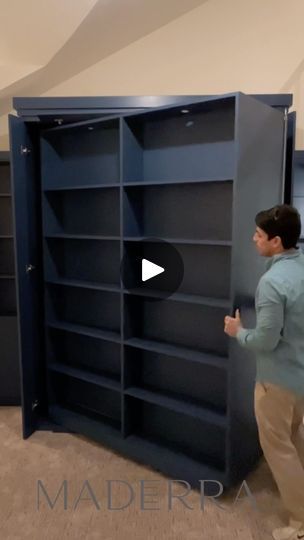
<point>278,241</point>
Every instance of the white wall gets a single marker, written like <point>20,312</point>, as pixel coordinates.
<point>255,46</point>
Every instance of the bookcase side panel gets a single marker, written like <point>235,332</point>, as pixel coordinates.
<point>260,132</point>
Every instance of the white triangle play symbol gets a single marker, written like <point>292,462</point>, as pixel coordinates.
<point>150,270</point>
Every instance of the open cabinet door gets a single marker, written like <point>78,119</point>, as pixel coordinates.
<point>26,212</point>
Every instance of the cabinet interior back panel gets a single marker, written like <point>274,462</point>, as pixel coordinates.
<point>203,267</point>
<point>176,211</point>
<point>97,309</point>
<point>84,352</point>
<point>189,381</point>
<point>6,218</point>
<point>5,181</point>
<point>180,433</point>
<point>298,180</point>
<point>177,146</point>
<point>7,297</point>
<point>88,260</point>
<point>72,212</point>
<point>7,261</point>
<point>76,393</point>
<point>180,323</point>
<point>80,156</point>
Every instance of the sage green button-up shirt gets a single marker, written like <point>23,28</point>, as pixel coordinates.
<point>278,339</point>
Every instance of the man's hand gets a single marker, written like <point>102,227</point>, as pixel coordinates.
<point>233,324</point>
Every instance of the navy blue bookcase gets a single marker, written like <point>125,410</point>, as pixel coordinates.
<point>157,380</point>
<point>9,362</point>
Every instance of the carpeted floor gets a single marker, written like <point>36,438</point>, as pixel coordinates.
<point>53,458</point>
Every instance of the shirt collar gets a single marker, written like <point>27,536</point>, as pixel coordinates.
<point>289,254</point>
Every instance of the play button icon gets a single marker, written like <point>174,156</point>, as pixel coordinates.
<point>151,267</point>
<point>150,270</point>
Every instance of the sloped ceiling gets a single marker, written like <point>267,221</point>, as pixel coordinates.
<point>32,32</point>
<point>44,42</point>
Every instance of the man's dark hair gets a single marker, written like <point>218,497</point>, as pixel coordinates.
<point>282,220</point>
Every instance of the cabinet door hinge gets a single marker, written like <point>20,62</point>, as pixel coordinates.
<point>35,404</point>
<point>29,268</point>
<point>24,150</point>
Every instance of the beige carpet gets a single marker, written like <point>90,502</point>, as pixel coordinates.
<point>55,457</point>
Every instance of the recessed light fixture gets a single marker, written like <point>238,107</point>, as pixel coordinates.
<point>58,121</point>
<point>185,111</point>
<point>90,128</point>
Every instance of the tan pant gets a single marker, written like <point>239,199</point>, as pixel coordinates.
<point>279,414</point>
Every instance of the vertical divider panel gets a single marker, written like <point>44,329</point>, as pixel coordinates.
<point>121,233</point>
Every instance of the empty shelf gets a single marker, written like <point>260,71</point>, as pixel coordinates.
<point>169,182</point>
<point>83,284</point>
<point>200,242</point>
<point>84,417</point>
<point>203,413</point>
<point>180,297</point>
<point>83,187</point>
<point>107,335</point>
<point>180,352</point>
<point>84,375</point>
<point>7,276</point>
<point>81,236</point>
<point>158,455</point>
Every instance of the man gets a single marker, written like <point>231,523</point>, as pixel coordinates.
<point>278,341</point>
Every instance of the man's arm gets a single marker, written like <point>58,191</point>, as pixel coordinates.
<point>270,320</point>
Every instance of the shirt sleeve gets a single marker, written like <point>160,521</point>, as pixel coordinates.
<point>270,320</point>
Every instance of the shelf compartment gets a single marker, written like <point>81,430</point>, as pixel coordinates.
<point>178,405</point>
<point>207,271</point>
<point>163,458</point>
<point>73,260</point>
<point>86,397</point>
<point>298,177</point>
<point>182,324</point>
<point>9,365</point>
<point>5,177</point>
<point>201,384</point>
<point>87,376</point>
<point>191,355</point>
<point>298,203</point>
<point>193,437</point>
<point>81,156</point>
<point>175,211</point>
<point>7,296</point>
<point>6,217</point>
<point>99,310</point>
<point>84,421</point>
<point>95,212</point>
<point>97,333</point>
<point>169,145</point>
<point>85,351</point>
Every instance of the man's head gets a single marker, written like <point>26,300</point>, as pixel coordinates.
<point>277,230</point>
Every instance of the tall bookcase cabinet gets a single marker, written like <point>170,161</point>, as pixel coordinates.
<point>155,379</point>
<point>9,365</point>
